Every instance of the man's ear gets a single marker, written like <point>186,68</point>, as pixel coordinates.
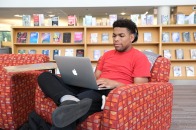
<point>132,37</point>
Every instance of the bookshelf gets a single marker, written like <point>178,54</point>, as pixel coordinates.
<point>156,44</point>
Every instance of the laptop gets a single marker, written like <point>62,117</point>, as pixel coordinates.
<point>76,71</point>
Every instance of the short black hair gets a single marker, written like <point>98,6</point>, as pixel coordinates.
<point>129,24</point>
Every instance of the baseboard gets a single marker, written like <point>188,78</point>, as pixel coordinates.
<point>183,82</point>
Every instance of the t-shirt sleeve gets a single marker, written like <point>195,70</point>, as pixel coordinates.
<point>141,67</point>
<point>100,63</point>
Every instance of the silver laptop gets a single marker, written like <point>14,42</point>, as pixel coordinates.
<point>76,71</point>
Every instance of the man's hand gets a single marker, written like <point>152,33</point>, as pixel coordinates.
<point>104,83</point>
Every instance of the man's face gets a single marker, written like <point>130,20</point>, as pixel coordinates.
<point>122,39</point>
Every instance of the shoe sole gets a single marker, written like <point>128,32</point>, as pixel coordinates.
<point>67,114</point>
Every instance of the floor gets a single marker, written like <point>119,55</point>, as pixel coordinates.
<point>184,108</point>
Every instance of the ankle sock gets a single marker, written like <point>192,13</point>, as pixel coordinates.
<point>69,97</point>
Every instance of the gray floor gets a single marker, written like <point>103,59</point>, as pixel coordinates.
<point>184,108</point>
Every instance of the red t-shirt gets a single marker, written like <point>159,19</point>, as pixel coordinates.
<point>124,66</point>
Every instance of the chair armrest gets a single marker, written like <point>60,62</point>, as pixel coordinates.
<point>138,104</point>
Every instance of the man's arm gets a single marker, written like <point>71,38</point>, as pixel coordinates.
<point>97,74</point>
<point>140,80</point>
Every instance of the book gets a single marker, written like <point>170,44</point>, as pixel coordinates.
<point>21,51</point>
<point>66,37</point>
<point>41,20</point>
<point>105,37</point>
<point>34,36</point>
<point>56,52</point>
<point>112,19</point>
<point>46,52</point>
<point>147,36</point>
<point>165,19</point>
<point>45,38</point>
<point>78,37</point>
<point>32,51</point>
<point>150,19</point>
<point>21,37</point>
<point>94,37</point>
<point>193,53</point>
<point>177,71</point>
<point>175,36</point>
<point>179,54</point>
<point>165,37</point>
<point>80,53</point>
<point>26,20</point>
<point>55,21</point>
<point>104,21</point>
<point>186,36</point>
<point>194,34</point>
<point>69,52</point>
<point>180,19</point>
<point>94,21</point>
<point>96,54</point>
<point>167,54</point>
<point>36,19</point>
<point>135,18</point>
<point>190,71</point>
<point>71,20</point>
<point>143,19</point>
<point>57,37</point>
<point>88,20</point>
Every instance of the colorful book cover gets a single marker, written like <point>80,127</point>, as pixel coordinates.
<point>46,52</point>
<point>67,37</point>
<point>165,37</point>
<point>175,36</point>
<point>45,38</point>
<point>179,54</point>
<point>32,51</point>
<point>94,37</point>
<point>180,18</point>
<point>147,37</point>
<point>80,53</point>
<point>78,37</point>
<point>150,19</point>
<point>34,36</point>
<point>186,37</point>
<point>57,37</point>
<point>167,54</point>
<point>177,71</point>
<point>21,37</point>
<point>36,19</point>
<point>112,19</point>
<point>72,20</point>
<point>56,52</point>
<point>55,21</point>
<point>105,37</point>
<point>190,71</point>
<point>88,20</point>
<point>21,51</point>
<point>96,54</point>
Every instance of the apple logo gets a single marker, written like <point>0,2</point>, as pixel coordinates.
<point>74,72</point>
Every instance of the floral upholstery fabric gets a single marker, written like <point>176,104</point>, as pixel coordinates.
<point>145,106</point>
<point>17,90</point>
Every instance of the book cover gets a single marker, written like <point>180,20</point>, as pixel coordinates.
<point>96,54</point>
<point>165,37</point>
<point>105,37</point>
<point>88,20</point>
<point>71,20</point>
<point>167,53</point>
<point>78,37</point>
<point>32,51</point>
<point>147,37</point>
<point>94,21</point>
<point>150,19</point>
<point>21,37</point>
<point>26,20</point>
<point>186,36</point>
<point>45,37</point>
<point>193,53</point>
<point>57,37</point>
<point>177,71</point>
<point>194,34</point>
<point>190,71</point>
<point>179,54</point>
<point>94,37</point>
<point>80,53</point>
<point>143,19</point>
<point>56,52</point>
<point>41,20</point>
<point>55,21</point>
<point>34,36</point>
<point>165,19</point>
<point>69,52</point>
<point>112,19</point>
<point>180,19</point>
<point>104,21</point>
<point>135,18</point>
<point>67,37</point>
<point>175,36</point>
<point>21,51</point>
<point>36,19</point>
<point>46,52</point>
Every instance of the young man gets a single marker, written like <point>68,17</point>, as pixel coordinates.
<point>124,65</point>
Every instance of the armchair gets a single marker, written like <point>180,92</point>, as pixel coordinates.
<point>17,90</point>
<point>145,106</point>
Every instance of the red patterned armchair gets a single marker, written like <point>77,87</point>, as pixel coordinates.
<point>145,106</point>
<point>17,90</point>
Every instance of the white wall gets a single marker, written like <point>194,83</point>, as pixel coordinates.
<point>92,3</point>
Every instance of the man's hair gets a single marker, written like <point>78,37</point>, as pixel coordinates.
<point>129,24</point>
